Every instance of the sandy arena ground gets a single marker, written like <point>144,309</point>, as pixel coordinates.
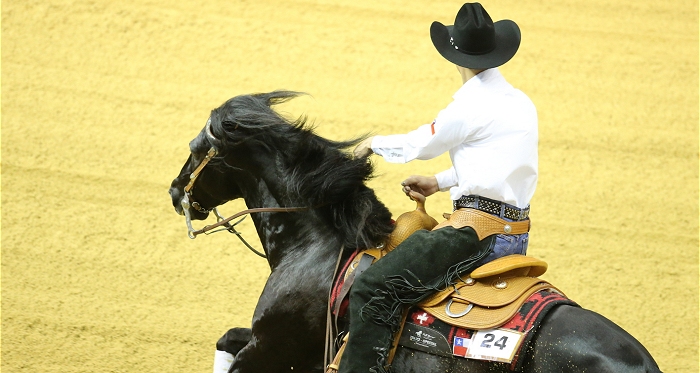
<point>100,99</point>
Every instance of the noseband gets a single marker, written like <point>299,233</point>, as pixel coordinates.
<point>193,177</point>
<point>188,200</point>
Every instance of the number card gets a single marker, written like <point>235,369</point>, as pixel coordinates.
<point>494,345</point>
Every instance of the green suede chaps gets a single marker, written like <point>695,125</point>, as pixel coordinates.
<point>426,262</point>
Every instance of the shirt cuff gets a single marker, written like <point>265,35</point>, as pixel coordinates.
<point>446,179</point>
<point>389,147</point>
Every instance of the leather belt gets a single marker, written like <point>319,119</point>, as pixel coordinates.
<point>492,206</point>
<point>484,223</point>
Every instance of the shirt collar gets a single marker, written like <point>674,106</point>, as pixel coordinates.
<point>486,77</point>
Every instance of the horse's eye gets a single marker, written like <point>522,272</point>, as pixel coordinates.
<point>196,155</point>
<point>229,125</point>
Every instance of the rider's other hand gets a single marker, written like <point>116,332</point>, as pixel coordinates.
<point>364,148</point>
<point>415,196</point>
<point>425,185</point>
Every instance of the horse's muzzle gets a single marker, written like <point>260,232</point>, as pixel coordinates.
<point>176,196</point>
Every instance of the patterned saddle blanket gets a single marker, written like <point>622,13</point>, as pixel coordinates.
<point>504,343</point>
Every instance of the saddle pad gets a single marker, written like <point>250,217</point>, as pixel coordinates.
<point>424,332</point>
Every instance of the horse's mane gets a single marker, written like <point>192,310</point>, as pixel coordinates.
<point>316,171</point>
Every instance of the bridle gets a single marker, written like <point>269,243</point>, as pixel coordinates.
<point>221,222</point>
<point>193,177</point>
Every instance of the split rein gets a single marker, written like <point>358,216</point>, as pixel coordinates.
<point>225,223</point>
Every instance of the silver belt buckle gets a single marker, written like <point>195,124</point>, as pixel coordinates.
<point>524,214</point>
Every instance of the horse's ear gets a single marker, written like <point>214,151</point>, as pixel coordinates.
<point>278,97</point>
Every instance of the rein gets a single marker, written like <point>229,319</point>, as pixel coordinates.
<point>224,222</point>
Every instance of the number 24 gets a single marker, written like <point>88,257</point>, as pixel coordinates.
<point>488,338</point>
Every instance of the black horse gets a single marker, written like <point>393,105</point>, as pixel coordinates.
<point>248,151</point>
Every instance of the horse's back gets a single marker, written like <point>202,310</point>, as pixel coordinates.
<point>570,339</point>
<point>573,339</point>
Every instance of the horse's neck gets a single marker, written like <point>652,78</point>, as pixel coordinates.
<point>297,233</point>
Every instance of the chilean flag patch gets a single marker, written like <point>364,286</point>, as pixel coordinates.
<point>460,346</point>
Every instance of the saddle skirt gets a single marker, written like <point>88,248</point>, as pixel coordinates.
<point>491,295</point>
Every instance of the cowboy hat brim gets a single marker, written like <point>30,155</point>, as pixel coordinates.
<point>507,43</point>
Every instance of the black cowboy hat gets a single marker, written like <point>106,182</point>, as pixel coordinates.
<point>475,41</point>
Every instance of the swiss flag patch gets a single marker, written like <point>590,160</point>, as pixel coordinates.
<point>423,318</point>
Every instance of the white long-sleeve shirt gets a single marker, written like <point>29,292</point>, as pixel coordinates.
<point>490,130</point>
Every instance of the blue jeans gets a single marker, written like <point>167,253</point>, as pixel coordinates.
<point>508,245</point>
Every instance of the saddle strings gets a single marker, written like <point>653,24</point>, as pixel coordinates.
<point>331,327</point>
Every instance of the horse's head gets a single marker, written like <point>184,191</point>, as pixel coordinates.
<point>204,181</point>
<point>227,153</point>
<point>247,150</point>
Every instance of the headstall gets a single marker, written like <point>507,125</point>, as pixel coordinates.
<point>193,177</point>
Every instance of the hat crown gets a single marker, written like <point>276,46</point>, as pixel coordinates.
<point>473,31</point>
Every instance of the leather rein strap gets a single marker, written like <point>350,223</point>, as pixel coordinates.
<point>224,222</point>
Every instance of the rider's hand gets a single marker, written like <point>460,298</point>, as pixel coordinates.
<point>364,148</point>
<point>425,185</point>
